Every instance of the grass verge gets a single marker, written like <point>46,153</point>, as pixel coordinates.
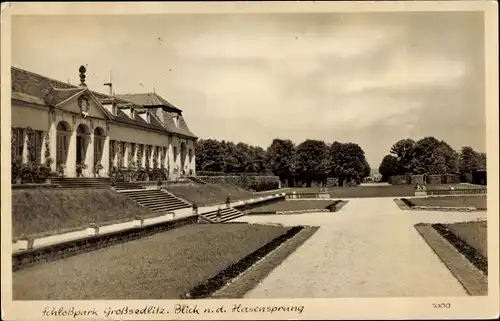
<point>162,266</point>
<point>248,279</point>
<point>471,253</point>
<point>477,201</point>
<point>292,205</point>
<point>209,286</point>
<point>474,281</point>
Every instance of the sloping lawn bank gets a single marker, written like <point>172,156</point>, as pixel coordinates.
<point>162,266</point>
<point>208,194</point>
<point>48,211</point>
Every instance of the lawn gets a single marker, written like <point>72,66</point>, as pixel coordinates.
<point>361,191</point>
<point>49,211</point>
<point>294,205</point>
<point>473,233</point>
<point>162,266</point>
<point>208,194</point>
<point>478,201</point>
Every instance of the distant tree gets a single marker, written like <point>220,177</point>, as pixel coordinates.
<point>404,150</point>
<point>209,155</point>
<point>427,155</point>
<point>347,162</point>
<point>230,160</point>
<point>469,162</point>
<point>311,161</point>
<point>388,167</point>
<point>451,157</point>
<point>243,156</point>
<point>257,163</point>
<point>280,157</point>
<point>367,167</point>
<point>481,161</point>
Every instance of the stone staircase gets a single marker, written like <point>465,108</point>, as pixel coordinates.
<point>156,200</point>
<point>196,180</point>
<point>227,214</point>
<point>122,185</point>
<point>81,182</point>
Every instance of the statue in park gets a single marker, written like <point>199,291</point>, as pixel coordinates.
<point>219,215</point>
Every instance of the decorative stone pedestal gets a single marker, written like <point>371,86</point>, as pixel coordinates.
<point>92,230</point>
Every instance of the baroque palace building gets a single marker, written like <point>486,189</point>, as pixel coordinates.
<point>85,132</point>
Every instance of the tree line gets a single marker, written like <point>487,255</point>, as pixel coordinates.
<point>305,163</point>
<point>430,156</point>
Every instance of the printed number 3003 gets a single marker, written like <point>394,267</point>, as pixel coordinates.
<point>441,305</point>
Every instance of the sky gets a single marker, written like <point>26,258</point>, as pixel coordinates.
<point>367,78</point>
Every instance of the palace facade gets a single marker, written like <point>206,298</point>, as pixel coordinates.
<point>87,133</point>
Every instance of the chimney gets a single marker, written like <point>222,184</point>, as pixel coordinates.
<point>110,85</point>
<point>82,71</point>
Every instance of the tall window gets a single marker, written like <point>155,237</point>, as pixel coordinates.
<point>18,142</point>
<point>112,151</point>
<point>175,154</point>
<point>62,143</point>
<point>98,145</point>
<point>38,146</point>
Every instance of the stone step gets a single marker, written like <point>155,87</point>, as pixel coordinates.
<point>163,205</point>
<point>154,202</point>
<point>154,198</point>
<point>166,208</point>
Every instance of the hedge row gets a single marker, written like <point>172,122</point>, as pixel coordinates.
<point>205,173</point>
<point>422,179</point>
<point>255,183</point>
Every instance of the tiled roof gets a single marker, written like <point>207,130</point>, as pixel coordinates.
<point>149,99</point>
<point>38,89</point>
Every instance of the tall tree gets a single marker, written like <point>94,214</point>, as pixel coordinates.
<point>209,155</point>
<point>481,161</point>
<point>426,154</point>
<point>280,157</point>
<point>404,150</point>
<point>230,157</point>
<point>388,167</point>
<point>451,157</point>
<point>469,162</point>
<point>311,161</point>
<point>347,162</point>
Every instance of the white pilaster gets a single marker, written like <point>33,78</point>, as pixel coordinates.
<point>89,155</point>
<point>71,160</point>
<point>105,157</point>
<point>53,142</point>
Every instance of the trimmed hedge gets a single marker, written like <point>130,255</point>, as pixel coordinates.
<point>451,179</point>
<point>434,179</point>
<point>399,180</point>
<point>256,183</point>
<point>206,173</point>
<point>417,179</point>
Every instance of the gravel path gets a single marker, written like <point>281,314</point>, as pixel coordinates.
<point>368,249</point>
